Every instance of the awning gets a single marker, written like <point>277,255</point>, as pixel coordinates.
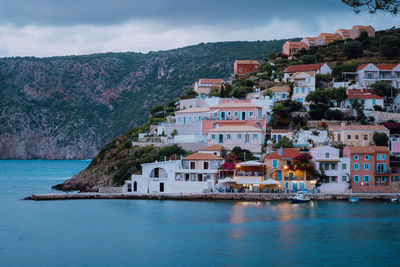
<point>249,180</point>
<point>226,180</point>
<point>271,182</point>
<point>250,163</point>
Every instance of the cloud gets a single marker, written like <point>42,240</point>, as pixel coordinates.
<point>98,26</point>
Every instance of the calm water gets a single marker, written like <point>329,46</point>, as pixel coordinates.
<point>174,233</point>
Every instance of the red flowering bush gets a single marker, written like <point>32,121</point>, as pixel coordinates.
<point>303,162</point>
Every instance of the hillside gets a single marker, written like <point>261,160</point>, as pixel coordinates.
<point>69,107</point>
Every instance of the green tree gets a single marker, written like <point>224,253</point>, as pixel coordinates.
<point>241,92</point>
<point>272,56</point>
<point>157,111</point>
<point>334,114</point>
<point>382,89</point>
<point>374,6</point>
<point>243,154</point>
<point>284,142</point>
<point>352,49</point>
<point>380,139</point>
<point>308,59</point>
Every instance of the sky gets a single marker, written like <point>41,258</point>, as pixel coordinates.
<point>72,27</point>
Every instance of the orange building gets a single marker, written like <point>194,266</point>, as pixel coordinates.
<point>329,37</point>
<point>290,48</point>
<point>242,67</point>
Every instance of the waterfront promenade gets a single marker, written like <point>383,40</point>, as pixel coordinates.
<point>211,196</point>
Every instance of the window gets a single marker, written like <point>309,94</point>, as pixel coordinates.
<point>356,136</point>
<point>213,136</point>
<point>309,89</point>
<point>161,187</point>
<point>367,157</point>
<point>255,136</point>
<point>326,166</point>
<point>333,166</point>
<point>333,179</point>
<point>240,69</point>
<point>373,102</point>
<point>192,165</point>
<point>275,163</point>
<point>381,168</point>
<point>344,179</point>
<point>356,178</point>
<point>239,136</point>
<point>365,136</point>
<point>327,155</point>
<point>367,178</point>
<point>383,157</point>
<point>379,157</point>
<point>206,165</point>
<point>367,166</point>
<point>355,157</point>
<point>236,114</point>
<point>356,166</point>
<point>344,166</point>
<point>348,137</point>
<point>228,113</point>
<point>396,178</point>
<point>309,79</point>
<point>251,113</point>
<point>303,90</point>
<point>297,90</point>
<point>384,179</point>
<point>228,136</point>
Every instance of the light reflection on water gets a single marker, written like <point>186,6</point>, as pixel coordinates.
<point>178,233</point>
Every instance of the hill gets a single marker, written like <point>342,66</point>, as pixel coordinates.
<point>69,107</point>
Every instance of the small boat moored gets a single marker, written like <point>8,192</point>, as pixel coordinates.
<point>300,197</point>
<point>395,200</point>
<point>354,199</point>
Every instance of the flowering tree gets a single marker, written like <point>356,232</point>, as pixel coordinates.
<point>303,162</point>
<point>228,168</point>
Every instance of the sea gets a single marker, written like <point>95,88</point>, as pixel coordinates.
<point>184,233</point>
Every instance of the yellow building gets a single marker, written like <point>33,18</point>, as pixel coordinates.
<point>355,135</point>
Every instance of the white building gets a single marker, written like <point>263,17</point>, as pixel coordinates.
<point>364,96</point>
<point>313,41</point>
<point>327,159</point>
<point>304,83</point>
<point>368,74</point>
<point>320,68</point>
<point>196,173</point>
<point>187,116</point>
<point>204,86</point>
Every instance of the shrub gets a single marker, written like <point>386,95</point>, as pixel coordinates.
<point>352,49</point>
<point>334,114</point>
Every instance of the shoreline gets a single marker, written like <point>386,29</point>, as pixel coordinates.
<point>211,196</point>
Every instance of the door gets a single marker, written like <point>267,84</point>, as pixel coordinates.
<point>135,186</point>
<point>243,115</point>
<point>161,187</point>
<point>294,186</point>
<point>221,138</point>
<point>279,175</point>
<point>247,138</point>
<point>223,117</point>
<point>302,187</point>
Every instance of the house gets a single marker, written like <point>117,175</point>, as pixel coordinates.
<point>190,115</point>
<point>242,67</point>
<point>367,97</point>
<point>250,176</point>
<point>278,134</point>
<point>319,68</point>
<point>355,135</point>
<point>367,74</point>
<point>337,168</point>
<point>196,173</point>
<point>369,168</point>
<point>204,86</point>
<point>213,149</point>
<point>343,33</point>
<point>290,48</point>
<point>304,83</point>
<point>279,92</point>
<point>234,112</point>
<point>246,137</point>
<point>310,138</point>
<point>329,37</point>
<point>357,29</point>
<point>279,168</point>
<point>313,41</point>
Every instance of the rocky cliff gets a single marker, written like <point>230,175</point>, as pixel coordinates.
<point>69,107</point>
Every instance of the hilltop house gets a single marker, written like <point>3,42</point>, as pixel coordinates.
<point>320,68</point>
<point>204,86</point>
<point>357,29</point>
<point>329,37</point>
<point>244,136</point>
<point>355,135</point>
<point>196,173</point>
<point>279,168</point>
<point>242,67</point>
<point>337,168</point>
<point>369,168</point>
<point>290,48</point>
<point>279,92</point>
<point>368,98</point>
<point>343,33</point>
<point>367,74</point>
<point>313,41</point>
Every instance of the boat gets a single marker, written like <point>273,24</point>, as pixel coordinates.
<point>395,200</point>
<point>300,197</point>
<point>354,199</point>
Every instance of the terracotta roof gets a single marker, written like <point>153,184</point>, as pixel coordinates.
<point>364,96</point>
<point>357,128</point>
<point>278,88</point>
<point>380,66</point>
<point>247,62</point>
<point>213,148</point>
<point>192,110</point>
<point>211,81</point>
<point>306,67</point>
<point>287,153</point>
<point>344,30</point>
<point>362,66</point>
<point>281,131</point>
<point>236,105</point>
<point>368,149</point>
<point>202,156</point>
<point>311,38</point>
<point>299,73</point>
<point>242,128</point>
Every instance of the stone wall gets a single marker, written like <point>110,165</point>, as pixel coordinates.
<point>110,190</point>
<point>381,116</point>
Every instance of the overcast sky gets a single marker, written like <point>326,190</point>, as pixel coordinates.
<point>66,27</point>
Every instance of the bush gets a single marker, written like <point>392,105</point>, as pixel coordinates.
<point>381,139</point>
<point>378,108</point>
<point>241,92</point>
<point>352,49</point>
<point>334,114</point>
<point>284,143</point>
<point>308,59</point>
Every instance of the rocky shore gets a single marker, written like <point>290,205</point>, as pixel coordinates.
<point>211,196</point>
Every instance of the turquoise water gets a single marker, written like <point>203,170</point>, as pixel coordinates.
<point>176,233</point>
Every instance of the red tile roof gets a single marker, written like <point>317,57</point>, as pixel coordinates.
<point>211,81</point>
<point>247,62</point>
<point>379,66</point>
<point>306,67</point>
<point>367,149</point>
<point>202,156</point>
<point>287,153</point>
<point>213,148</point>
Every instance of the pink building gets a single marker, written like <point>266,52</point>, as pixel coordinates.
<point>234,112</point>
<point>290,48</point>
<point>369,168</point>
